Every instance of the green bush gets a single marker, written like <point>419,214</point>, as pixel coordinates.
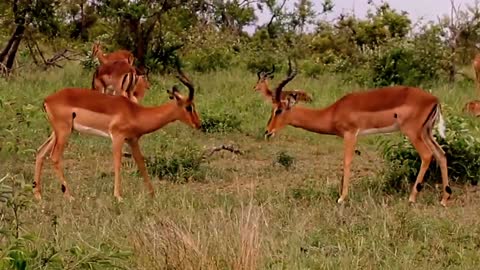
<point>179,167</point>
<point>285,159</point>
<point>210,59</point>
<point>462,150</point>
<point>220,123</point>
<point>90,62</point>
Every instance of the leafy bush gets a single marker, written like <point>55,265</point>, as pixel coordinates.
<point>220,123</point>
<point>312,69</point>
<point>284,159</point>
<point>462,150</point>
<point>181,166</point>
<point>90,62</point>
<point>210,59</point>
<point>22,250</point>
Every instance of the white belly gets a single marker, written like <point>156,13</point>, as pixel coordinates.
<point>389,129</point>
<point>89,130</point>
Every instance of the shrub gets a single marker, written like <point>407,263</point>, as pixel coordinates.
<point>90,62</point>
<point>181,166</point>
<point>312,69</point>
<point>462,150</point>
<point>220,123</point>
<point>210,59</point>
<point>284,159</point>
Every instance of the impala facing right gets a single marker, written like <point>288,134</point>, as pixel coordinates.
<point>384,110</point>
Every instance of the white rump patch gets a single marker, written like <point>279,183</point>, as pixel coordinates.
<point>89,130</point>
<point>389,129</point>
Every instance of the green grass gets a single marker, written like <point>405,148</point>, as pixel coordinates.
<point>248,212</point>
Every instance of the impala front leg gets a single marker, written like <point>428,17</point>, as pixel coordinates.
<point>138,157</point>
<point>117,143</point>
<point>349,141</point>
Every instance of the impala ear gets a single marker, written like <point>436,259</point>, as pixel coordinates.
<point>171,93</point>
<point>291,100</point>
<point>174,94</point>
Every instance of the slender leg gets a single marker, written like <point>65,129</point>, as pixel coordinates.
<point>57,156</point>
<point>477,80</point>
<point>439,155</point>
<point>137,155</point>
<point>117,143</point>
<point>40,158</point>
<point>349,141</point>
<point>426,157</point>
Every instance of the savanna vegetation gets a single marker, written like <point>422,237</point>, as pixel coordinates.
<point>263,204</point>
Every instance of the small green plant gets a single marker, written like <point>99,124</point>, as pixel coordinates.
<point>462,150</point>
<point>180,166</point>
<point>220,123</point>
<point>90,62</point>
<point>284,159</point>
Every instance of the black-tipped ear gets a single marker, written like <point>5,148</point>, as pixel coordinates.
<point>171,93</point>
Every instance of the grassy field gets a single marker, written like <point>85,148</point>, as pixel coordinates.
<point>244,212</point>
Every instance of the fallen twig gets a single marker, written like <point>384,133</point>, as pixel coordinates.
<point>229,148</point>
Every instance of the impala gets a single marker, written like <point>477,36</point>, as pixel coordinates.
<point>383,110</point>
<point>262,85</point>
<point>119,55</point>
<point>114,117</point>
<point>472,107</point>
<point>119,78</point>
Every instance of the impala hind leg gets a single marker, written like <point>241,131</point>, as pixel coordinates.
<point>40,158</point>
<point>349,141</point>
<point>137,155</point>
<point>57,159</point>
<point>439,155</point>
<point>426,155</point>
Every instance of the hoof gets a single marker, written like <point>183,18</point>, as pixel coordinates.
<point>412,200</point>
<point>444,203</point>
<point>341,200</point>
<point>37,196</point>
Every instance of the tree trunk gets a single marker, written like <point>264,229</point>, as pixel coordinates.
<point>18,34</point>
<point>13,53</point>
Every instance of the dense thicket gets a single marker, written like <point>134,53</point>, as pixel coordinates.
<point>383,48</point>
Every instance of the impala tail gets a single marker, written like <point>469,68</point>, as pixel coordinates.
<point>441,127</point>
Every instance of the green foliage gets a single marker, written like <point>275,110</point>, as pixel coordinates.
<point>312,69</point>
<point>220,122</point>
<point>182,166</point>
<point>462,150</point>
<point>90,62</point>
<point>210,59</point>
<point>24,250</point>
<point>285,160</point>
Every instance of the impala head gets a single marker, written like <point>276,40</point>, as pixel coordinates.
<point>96,49</point>
<point>141,87</point>
<point>263,78</point>
<point>281,108</point>
<point>186,105</point>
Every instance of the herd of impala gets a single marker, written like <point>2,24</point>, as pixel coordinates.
<point>111,109</point>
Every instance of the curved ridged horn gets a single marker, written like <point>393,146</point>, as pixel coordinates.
<point>186,81</point>
<point>279,88</point>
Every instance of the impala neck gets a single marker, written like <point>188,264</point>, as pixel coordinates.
<point>315,120</point>
<point>100,55</point>
<point>265,90</point>
<point>154,118</point>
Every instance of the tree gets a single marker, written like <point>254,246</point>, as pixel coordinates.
<point>39,14</point>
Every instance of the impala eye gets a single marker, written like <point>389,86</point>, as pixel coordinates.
<point>278,111</point>
<point>189,108</point>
